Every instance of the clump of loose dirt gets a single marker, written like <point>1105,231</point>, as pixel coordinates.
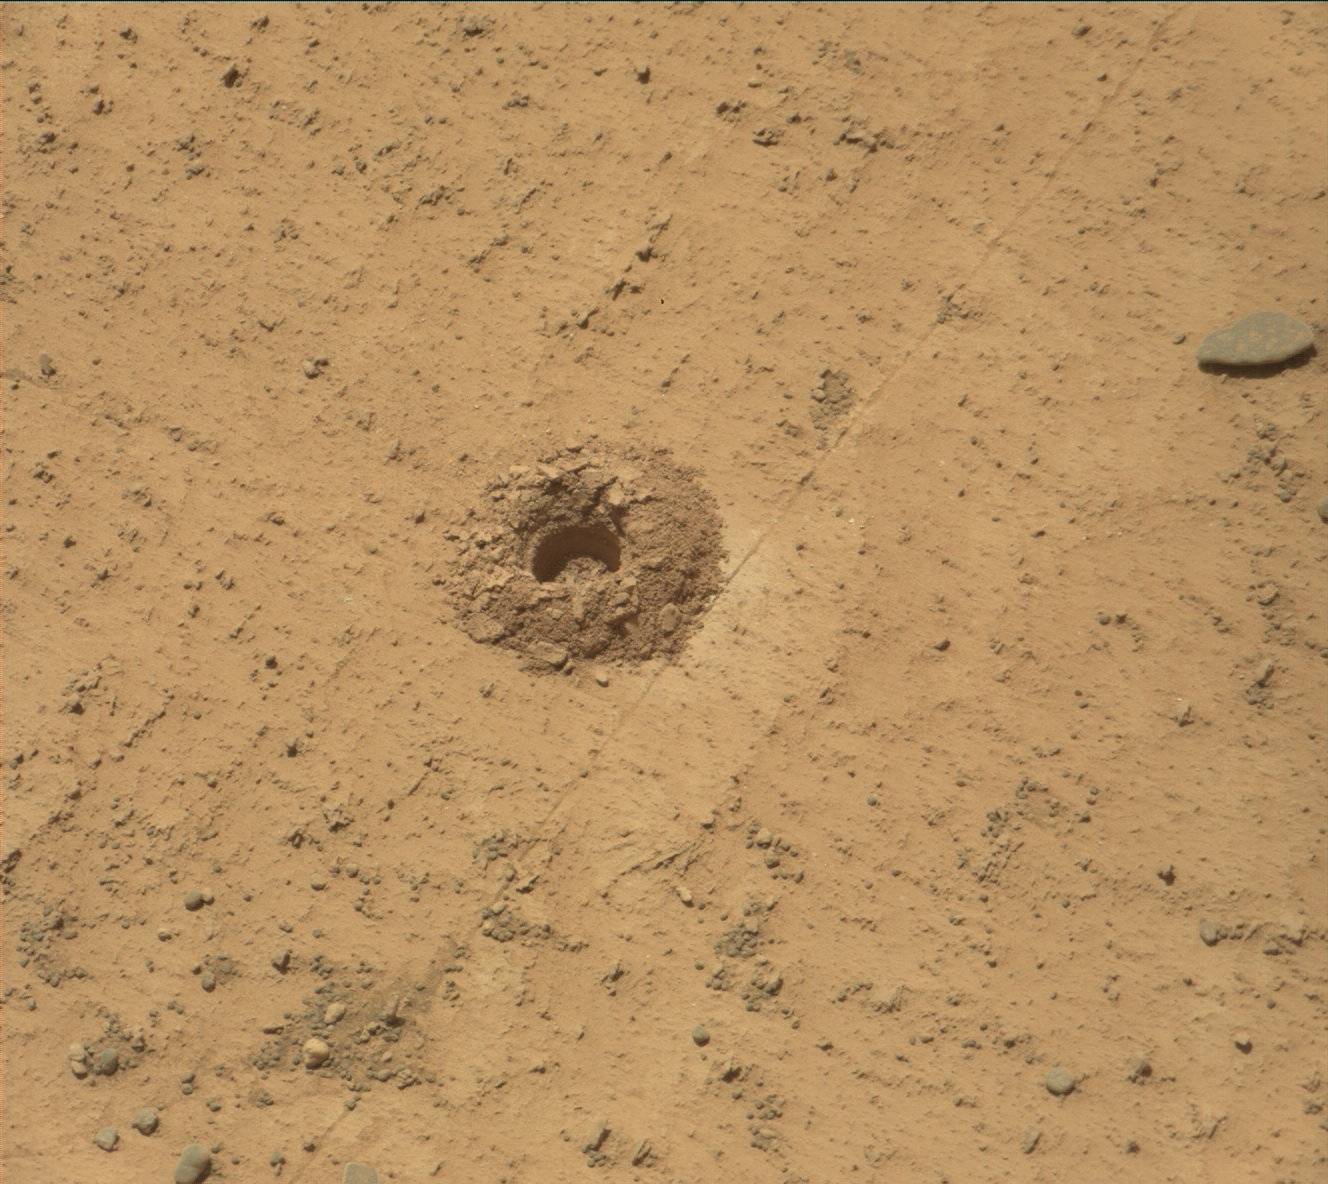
<point>831,401</point>
<point>592,552</point>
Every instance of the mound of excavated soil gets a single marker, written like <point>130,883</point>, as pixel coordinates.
<point>591,552</point>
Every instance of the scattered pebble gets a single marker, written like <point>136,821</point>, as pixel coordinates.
<point>107,1062</point>
<point>108,1138</point>
<point>1260,339</point>
<point>78,1061</point>
<point>1031,1138</point>
<point>46,365</point>
<point>193,901</point>
<point>316,1052</point>
<point>146,1121</point>
<point>1243,1041</point>
<point>700,1037</point>
<point>334,1012</point>
<point>359,1173</point>
<point>194,1166</point>
<point>1060,1082</point>
<point>1140,1071</point>
<point>1323,510</point>
<point>1210,933</point>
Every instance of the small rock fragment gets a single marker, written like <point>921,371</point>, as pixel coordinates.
<point>1260,339</point>
<point>46,365</point>
<point>597,1137</point>
<point>359,1173</point>
<point>193,900</point>
<point>1210,932</point>
<point>78,1061</point>
<point>1060,1082</point>
<point>107,1062</point>
<point>195,1165</point>
<point>1140,1071</point>
<point>333,1013</point>
<point>146,1121</point>
<point>108,1138</point>
<point>1243,1041</point>
<point>316,1052</point>
<point>1323,510</point>
<point>1031,1138</point>
<point>700,1037</point>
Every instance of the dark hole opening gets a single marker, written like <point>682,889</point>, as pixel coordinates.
<point>562,547</point>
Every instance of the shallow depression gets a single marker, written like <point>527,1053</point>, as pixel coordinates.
<point>571,547</point>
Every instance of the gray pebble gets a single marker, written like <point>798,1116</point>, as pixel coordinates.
<point>1140,1071</point>
<point>194,901</point>
<point>146,1121</point>
<point>1032,1137</point>
<point>1060,1082</point>
<point>1260,339</point>
<point>108,1061</point>
<point>195,1165</point>
<point>1323,510</point>
<point>1210,933</point>
<point>358,1173</point>
<point>700,1037</point>
<point>46,365</point>
<point>108,1138</point>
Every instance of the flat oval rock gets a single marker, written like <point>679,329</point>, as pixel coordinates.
<point>1260,339</point>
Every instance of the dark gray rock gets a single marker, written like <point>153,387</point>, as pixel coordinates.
<point>195,1165</point>
<point>1260,339</point>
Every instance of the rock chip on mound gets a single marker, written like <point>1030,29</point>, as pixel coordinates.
<point>1260,339</point>
<point>195,1165</point>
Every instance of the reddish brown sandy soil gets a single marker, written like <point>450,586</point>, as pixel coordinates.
<point>1009,702</point>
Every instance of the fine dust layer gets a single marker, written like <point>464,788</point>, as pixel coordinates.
<point>589,553</point>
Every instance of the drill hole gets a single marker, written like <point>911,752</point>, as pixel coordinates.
<point>579,548</point>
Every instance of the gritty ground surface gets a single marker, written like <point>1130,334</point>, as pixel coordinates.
<point>977,832</point>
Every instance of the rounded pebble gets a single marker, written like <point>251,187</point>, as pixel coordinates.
<point>1059,1082</point>
<point>700,1037</point>
<point>146,1121</point>
<point>194,1166</point>
<point>316,1052</point>
<point>108,1138</point>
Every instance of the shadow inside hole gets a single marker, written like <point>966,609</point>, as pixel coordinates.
<point>560,547</point>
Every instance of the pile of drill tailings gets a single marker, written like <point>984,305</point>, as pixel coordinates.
<point>592,552</point>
